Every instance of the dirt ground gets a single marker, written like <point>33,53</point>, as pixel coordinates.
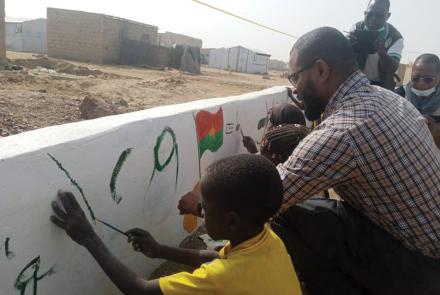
<point>49,91</point>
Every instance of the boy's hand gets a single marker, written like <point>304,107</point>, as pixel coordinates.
<point>189,204</point>
<point>72,219</point>
<point>250,145</point>
<point>144,242</point>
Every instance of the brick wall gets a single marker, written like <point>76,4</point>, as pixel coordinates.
<point>75,35</point>
<point>116,30</point>
<point>92,37</point>
<point>168,39</point>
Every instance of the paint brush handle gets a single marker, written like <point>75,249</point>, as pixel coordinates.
<point>241,131</point>
<point>112,227</point>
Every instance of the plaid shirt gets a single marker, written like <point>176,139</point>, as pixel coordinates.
<point>375,150</point>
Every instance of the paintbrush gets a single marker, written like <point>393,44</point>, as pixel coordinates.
<point>111,226</point>
<point>241,131</point>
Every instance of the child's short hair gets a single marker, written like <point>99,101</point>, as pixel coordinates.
<point>247,184</point>
<point>286,113</point>
<point>283,139</point>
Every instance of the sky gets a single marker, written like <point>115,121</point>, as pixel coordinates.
<point>416,20</point>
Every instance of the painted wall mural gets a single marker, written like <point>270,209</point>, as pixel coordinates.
<point>117,198</point>
<point>174,153</point>
<point>30,275</point>
<point>74,183</point>
<point>128,170</point>
<point>6,246</point>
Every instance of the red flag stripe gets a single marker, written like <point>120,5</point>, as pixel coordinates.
<point>205,121</point>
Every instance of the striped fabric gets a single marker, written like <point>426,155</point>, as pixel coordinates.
<point>376,151</point>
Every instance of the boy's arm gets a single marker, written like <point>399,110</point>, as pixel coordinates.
<point>125,279</point>
<point>143,242</point>
<point>74,222</point>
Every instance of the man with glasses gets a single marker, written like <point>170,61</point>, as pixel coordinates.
<point>377,44</point>
<point>375,150</point>
<point>423,91</point>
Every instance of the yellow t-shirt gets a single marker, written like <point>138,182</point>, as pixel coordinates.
<point>259,265</point>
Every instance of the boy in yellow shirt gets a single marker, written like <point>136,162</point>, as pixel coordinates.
<point>239,194</point>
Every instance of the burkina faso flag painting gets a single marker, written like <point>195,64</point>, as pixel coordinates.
<point>209,127</point>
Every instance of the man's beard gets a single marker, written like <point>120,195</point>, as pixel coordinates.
<point>314,105</point>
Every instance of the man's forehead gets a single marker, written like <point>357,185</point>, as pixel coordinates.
<point>292,62</point>
<point>423,68</point>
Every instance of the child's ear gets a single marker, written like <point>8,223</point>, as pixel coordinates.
<point>234,221</point>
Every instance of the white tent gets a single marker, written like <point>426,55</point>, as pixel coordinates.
<point>239,59</point>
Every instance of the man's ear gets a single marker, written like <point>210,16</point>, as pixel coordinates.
<point>323,70</point>
<point>389,15</point>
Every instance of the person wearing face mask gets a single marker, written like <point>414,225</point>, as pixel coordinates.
<point>423,91</point>
<point>377,44</point>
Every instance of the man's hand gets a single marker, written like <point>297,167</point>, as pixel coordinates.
<point>249,144</point>
<point>379,46</point>
<point>434,128</point>
<point>144,242</point>
<point>189,204</point>
<point>72,219</point>
<point>353,39</point>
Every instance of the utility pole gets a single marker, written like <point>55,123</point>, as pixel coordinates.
<point>3,60</point>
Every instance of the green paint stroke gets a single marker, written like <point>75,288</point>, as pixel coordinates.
<point>211,142</point>
<point>22,281</point>
<point>158,166</point>
<point>9,254</point>
<point>122,158</point>
<point>74,183</point>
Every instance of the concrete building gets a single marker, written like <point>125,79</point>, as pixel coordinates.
<point>26,35</point>
<point>2,33</point>
<point>92,37</point>
<point>239,59</point>
<point>169,39</point>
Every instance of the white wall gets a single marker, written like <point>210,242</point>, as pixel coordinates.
<point>258,63</point>
<point>33,36</point>
<point>14,40</point>
<point>218,58</point>
<point>89,150</point>
<point>239,59</point>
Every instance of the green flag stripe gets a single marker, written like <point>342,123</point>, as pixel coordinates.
<point>212,143</point>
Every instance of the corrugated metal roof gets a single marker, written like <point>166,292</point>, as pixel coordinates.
<point>16,19</point>
<point>254,50</point>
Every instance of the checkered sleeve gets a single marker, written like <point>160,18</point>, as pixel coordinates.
<point>322,160</point>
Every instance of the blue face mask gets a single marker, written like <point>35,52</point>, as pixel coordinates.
<point>423,93</point>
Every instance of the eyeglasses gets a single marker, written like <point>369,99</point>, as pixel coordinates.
<point>426,79</point>
<point>293,78</point>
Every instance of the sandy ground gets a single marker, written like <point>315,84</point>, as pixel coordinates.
<point>36,98</point>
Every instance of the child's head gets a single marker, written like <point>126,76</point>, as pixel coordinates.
<point>240,194</point>
<point>286,113</point>
<point>278,143</point>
